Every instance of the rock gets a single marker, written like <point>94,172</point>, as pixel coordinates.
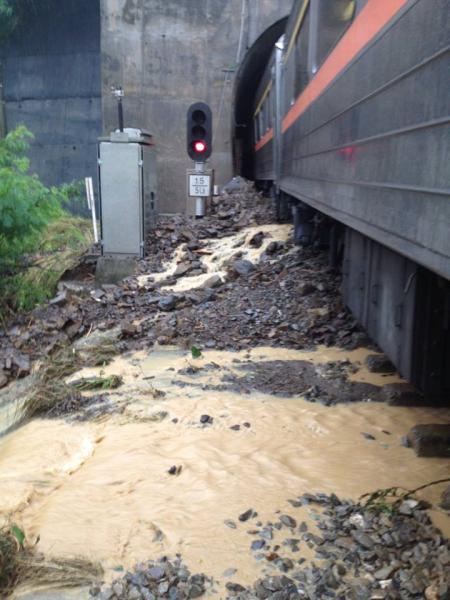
<point>156,573</point>
<point>212,282</point>
<point>206,420</point>
<point>430,440</point>
<point>445,500</point>
<point>3,378</point>
<point>257,544</point>
<point>128,329</point>
<point>22,363</point>
<point>245,516</point>
<point>234,587</point>
<point>195,591</point>
<point>257,240</point>
<point>233,427</point>
<point>237,184</point>
<point>97,295</point>
<point>243,267</point>
<point>229,572</point>
<point>379,363</point>
<point>384,573</point>
<point>368,436</point>
<point>272,247</point>
<point>404,441</point>
<point>168,303</point>
<point>163,588</point>
<point>118,588</point>
<point>363,539</point>
<point>175,470</point>
<point>96,340</point>
<point>288,521</point>
<point>407,507</point>
<point>304,289</point>
<point>181,269</point>
<point>402,394</point>
<point>59,299</point>
<point>231,524</point>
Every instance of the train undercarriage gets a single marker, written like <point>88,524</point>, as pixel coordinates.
<point>404,307</point>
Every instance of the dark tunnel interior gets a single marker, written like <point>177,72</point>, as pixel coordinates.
<point>247,80</point>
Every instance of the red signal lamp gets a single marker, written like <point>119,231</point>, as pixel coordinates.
<point>199,147</point>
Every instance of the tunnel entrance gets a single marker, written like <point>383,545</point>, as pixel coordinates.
<point>247,80</point>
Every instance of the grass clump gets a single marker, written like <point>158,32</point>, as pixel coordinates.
<point>20,563</point>
<point>9,563</point>
<point>97,383</point>
<point>51,392</point>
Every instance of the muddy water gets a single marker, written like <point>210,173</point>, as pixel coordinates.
<point>218,253</point>
<point>102,490</point>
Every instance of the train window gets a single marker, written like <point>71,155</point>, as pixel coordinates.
<point>333,17</point>
<point>301,56</point>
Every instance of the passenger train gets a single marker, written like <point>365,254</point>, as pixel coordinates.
<point>351,132</point>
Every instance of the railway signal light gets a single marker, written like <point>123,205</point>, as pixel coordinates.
<point>199,132</point>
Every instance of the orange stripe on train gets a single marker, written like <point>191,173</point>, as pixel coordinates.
<point>264,140</point>
<point>372,18</point>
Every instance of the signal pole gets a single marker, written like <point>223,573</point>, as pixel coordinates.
<point>200,202</point>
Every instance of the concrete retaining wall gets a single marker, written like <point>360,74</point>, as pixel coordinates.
<point>51,75</point>
<point>167,54</point>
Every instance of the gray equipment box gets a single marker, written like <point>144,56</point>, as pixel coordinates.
<point>127,182</point>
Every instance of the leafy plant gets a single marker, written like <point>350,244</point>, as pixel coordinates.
<point>195,352</point>
<point>38,239</point>
<point>14,13</point>
<point>26,205</point>
<point>18,534</point>
<point>8,19</point>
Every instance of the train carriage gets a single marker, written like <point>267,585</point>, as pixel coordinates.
<point>360,133</point>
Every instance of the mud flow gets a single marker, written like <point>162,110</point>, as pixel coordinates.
<point>234,438</point>
<point>103,489</point>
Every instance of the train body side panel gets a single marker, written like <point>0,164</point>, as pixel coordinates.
<point>373,150</point>
<point>264,163</point>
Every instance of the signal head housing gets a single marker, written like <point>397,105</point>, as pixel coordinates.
<point>199,131</point>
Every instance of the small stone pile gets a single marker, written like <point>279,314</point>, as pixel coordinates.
<point>155,579</point>
<point>362,553</point>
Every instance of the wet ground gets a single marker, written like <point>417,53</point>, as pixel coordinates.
<point>236,439</point>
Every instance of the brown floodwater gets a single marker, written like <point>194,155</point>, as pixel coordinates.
<point>101,490</point>
<point>218,253</point>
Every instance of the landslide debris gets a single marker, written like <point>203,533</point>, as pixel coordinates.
<point>289,298</point>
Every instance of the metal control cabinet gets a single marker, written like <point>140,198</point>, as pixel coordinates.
<point>127,182</point>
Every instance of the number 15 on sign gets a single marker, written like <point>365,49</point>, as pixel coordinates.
<point>200,186</point>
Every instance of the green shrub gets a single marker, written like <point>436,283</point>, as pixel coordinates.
<point>38,239</point>
<point>26,205</point>
<point>14,13</point>
<point>8,19</point>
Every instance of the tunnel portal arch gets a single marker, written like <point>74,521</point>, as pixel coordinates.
<point>247,79</point>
